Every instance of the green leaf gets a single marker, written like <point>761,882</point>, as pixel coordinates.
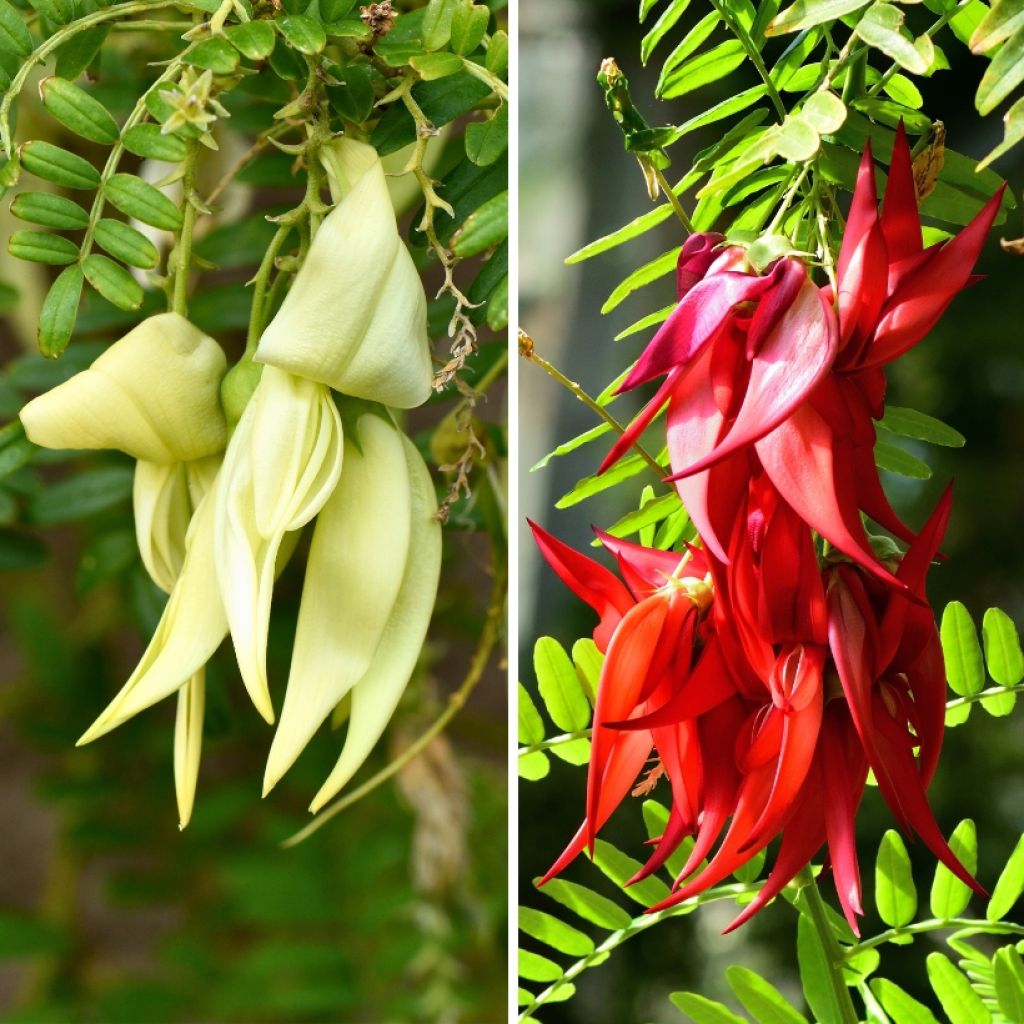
<point>14,34</point>
<point>571,445</point>
<point>587,904</point>
<point>531,725</point>
<point>897,460</point>
<point>895,894</point>
<point>806,13</point>
<point>1009,982</point>
<point>702,1010</point>
<point>1002,648</point>
<point>965,668</point>
<point>1003,75</point>
<point>77,497</point>
<point>80,51</point>
<point>1013,132</point>
<point>533,766</point>
<point>483,229</point>
<point>216,55</point>
<point>112,281</point>
<point>487,140</point>
<point>824,112</point>
<point>653,512</point>
<point>815,975</point>
<point>950,896</point>
<point>106,555</point>
<point>497,306</point>
<point>497,54</point>
<point>1009,885</point>
<point>588,661</point>
<point>598,483</point>
<point>437,23</point>
<point>634,229</point>
<point>149,141</point>
<point>254,39</point>
<point>560,686</point>
<point>903,1008</point>
<point>620,867</point>
<point>139,199</point>
<point>920,426</point>
<point>50,210</point>
<point>60,308</point>
<point>881,27</point>
<point>15,454</point>
<point>665,23</point>
<point>354,98</point>
<point>302,33</point>
<point>960,1002</point>
<point>687,46</point>
<point>534,967</point>
<point>1005,17</point>
<point>555,933</point>
<point>42,247</point>
<point>646,6</point>
<point>123,242</point>
<point>51,163</point>
<point>653,271</point>
<point>797,140</point>
<point>469,24</point>
<point>702,70</point>
<point>78,111</point>
<point>761,999</point>
<point>431,66</point>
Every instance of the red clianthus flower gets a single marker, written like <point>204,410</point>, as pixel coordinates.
<point>759,365</point>
<point>767,713</point>
<point>647,632</point>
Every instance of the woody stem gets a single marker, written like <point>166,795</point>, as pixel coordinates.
<point>830,945</point>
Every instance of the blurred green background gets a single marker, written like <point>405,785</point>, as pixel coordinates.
<point>396,910</point>
<point>577,183</point>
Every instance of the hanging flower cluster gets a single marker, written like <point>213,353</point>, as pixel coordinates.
<point>219,505</point>
<point>767,676</point>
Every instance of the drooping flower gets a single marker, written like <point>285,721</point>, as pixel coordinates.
<point>153,395</point>
<point>647,631</point>
<point>370,584</point>
<point>753,367</point>
<point>355,315</point>
<point>282,465</point>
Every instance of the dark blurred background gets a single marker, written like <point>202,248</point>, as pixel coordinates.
<point>578,183</point>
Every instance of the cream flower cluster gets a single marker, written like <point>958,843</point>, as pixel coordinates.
<point>218,510</point>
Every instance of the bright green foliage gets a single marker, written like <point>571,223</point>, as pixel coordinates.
<point>895,893</point>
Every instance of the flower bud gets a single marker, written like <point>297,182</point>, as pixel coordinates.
<point>153,395</point>
<point>281,465</point>
<point>356,565</point>
<point>376,695</point>
<point>355,316</point>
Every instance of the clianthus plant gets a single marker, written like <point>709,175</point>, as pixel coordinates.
<point>765,646</point>
<point>142,170</point>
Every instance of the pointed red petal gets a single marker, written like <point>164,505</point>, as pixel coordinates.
<point>699,251</point>
<point>625,765</point>
<point>901,222</point>
<point>923,297</point>
<point>799,456</point>
<point>588,580</point>
<point>693,323</point>
<point>641,422</point>
<point>863,214</point>
<point>650,567</point>
<point>623,674</point>
<point>794,356</point>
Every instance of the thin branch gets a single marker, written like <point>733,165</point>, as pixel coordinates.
<point>528,351</point>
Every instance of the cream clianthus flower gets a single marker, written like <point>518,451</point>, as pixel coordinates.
<point>153,394</point>
<point>282,464</point>
<point>363,635</point>
<point>355,316</point>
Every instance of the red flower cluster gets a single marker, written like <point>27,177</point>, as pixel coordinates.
<point>766,679</point>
